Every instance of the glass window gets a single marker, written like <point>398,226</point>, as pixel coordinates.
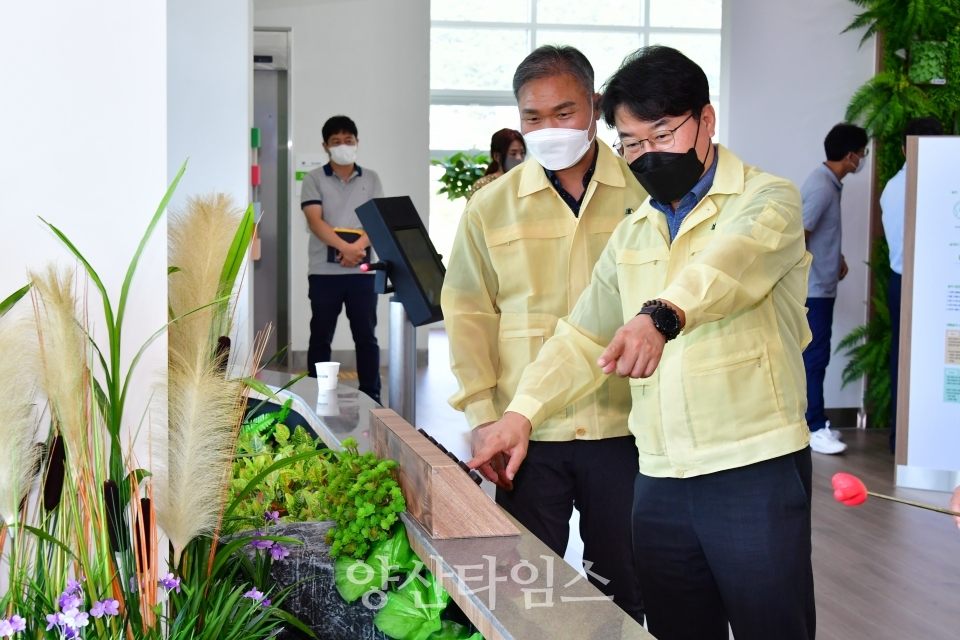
<point>486,11</point>
<point>476,59</point>
<point>444,215</point>
<point>604,50</point>
<point>611,12</point>
<point>690,14</point>
<point>463,127</point>
<point>702,48</point>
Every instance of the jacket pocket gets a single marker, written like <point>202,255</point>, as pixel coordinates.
<point>519,342</point>
<point>729,388</point>
<point>641,274</point>
<point>645,415</point>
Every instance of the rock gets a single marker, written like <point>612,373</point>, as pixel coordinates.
<point>316,602</point>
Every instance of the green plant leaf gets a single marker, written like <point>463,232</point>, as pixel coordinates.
<point>260,388</point>
<point>238,251</point>
<point>280,464</point>
<point>7,303</point>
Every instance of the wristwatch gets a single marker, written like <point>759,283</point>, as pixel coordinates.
<point>664,318</point>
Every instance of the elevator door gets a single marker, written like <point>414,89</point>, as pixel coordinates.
<point>271,273</point>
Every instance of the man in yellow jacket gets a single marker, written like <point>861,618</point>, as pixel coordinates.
<point>698,301</point>
<point>524,252</point>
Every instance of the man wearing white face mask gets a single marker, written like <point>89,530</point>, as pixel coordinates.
<point>524,252</point>
<point>329,199</point>
<point>846,148</point>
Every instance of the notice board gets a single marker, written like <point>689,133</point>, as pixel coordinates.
<point>928,412</point>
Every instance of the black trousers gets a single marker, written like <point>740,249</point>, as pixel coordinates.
<point>328,295</point>
<point>597,477</point>
<point>894,296</point>
<point>732,546</point>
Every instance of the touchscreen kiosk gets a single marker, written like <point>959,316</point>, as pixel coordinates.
<point>411,262</point>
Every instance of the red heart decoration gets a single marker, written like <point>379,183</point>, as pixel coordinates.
<point>849,489</point>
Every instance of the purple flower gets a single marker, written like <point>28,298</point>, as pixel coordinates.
<point>278,552</point>
<point>266,602</point>
<point>75,586</point>
<point>53,620</point>
<point>17,623</point>
<point>6,630</point>
<point>170,583</point>
<point>253,594</point>
<point>272,516</point>
<point>70,633</point>
<point>260,545</point>
<point>108,607</point>
<point>134,584</point>
<point>75,619</point>
<point>69,601</point>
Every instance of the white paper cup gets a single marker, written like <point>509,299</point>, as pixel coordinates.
<point>327,403</point>
<point>327,375</point>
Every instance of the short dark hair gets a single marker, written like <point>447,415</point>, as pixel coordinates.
<point>655,82</point>
<point>338,124</point>
<point>844,139</point>
<point>500,143</point>
<point>554,60</point>
<point>928,126</point>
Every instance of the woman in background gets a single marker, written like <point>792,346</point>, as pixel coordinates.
<point>507,150</point>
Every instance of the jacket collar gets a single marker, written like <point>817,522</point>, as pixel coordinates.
<point>728,180</point>
<point>534,178</point>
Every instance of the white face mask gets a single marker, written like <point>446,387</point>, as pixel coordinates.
<point>344,154</point>
<point>557,149</point>
<point>860,163</point>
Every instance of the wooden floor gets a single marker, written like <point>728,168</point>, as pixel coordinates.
<point>883,571</point>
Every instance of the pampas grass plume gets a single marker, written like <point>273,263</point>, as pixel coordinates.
<point>62,354</point>
<point>18,423</point>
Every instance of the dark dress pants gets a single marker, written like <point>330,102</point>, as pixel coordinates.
<point>597,477</point>
<point>328,295</point>
<point>727,547</point>
<point>816,357</point>
<point>893,302</point>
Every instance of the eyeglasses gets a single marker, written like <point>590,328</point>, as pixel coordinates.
<point>659,140</point>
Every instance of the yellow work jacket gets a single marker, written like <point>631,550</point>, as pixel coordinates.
<point>519,262</point>
<point>731,390</point>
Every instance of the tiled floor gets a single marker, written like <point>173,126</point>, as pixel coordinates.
<point>883,571</point>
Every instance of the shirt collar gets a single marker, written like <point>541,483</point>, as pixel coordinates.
<point>833,177</point>
<point>328,170</point>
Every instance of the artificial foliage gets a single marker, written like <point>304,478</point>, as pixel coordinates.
<point>289,491</point>
<point>461,171</point>
<point>921,43</point>
<point>361,496</point>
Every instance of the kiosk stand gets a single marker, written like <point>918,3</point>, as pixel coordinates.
<point>411,269</point>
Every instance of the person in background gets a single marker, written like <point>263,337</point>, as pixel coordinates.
<point>337,247</point>
<point>698,300</point>
<point>893,201</point>
<point>846,148</point>
<point>525,249</point>
<point>507,150</point>
<point>955,505</point>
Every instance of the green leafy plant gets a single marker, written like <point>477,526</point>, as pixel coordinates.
<point>289,491</point>
<point>461,171</point>
<point>868,346</point>
<point>360,495</point>
<point>928,62</point>
<point>929,30</point>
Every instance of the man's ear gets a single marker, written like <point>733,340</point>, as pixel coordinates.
<point>326,148</point>
<point>708,120</point>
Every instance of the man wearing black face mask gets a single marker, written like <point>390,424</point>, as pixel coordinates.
<point>698,299</point>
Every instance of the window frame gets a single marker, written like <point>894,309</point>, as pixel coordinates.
<point>487,98</point>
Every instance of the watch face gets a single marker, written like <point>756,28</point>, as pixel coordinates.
<point>666,320</point>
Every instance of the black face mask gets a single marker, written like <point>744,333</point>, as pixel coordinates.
<point>666,176</point>
<point>509,163</point>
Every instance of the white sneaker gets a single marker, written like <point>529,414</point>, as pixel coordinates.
<point>835,435</point>
<point>821,442</point>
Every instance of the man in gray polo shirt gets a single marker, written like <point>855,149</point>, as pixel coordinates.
<point>846,148</point>
<point>338,245</point>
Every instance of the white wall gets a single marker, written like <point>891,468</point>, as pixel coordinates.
<point>370,60</point>
<point>209,107</point>
<point>84,109</point>
<point>790,76</point>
